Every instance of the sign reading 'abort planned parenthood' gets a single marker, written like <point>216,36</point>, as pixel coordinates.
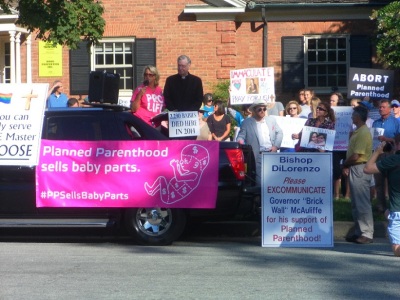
<point>372,83</point>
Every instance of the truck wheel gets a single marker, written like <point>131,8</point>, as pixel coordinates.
<point>155,226</point>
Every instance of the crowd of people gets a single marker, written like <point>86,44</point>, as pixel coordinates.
<point>359,173</point>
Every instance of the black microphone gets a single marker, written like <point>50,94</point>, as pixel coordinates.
<point>146,82</point>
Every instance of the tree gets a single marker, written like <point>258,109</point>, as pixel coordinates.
<point>64,22</point>
<point>388,34</point>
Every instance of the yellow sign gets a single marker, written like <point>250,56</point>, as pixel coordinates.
<point>50,60</point>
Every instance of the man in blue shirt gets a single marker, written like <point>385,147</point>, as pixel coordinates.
<point>56,97</point>
<point>391,128</point>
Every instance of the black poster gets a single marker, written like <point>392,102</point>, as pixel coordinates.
<point>372,83</point>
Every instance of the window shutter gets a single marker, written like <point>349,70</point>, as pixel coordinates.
<point>145,54</point>
<point>79,70</point>
<point>360,51</point>
<point>292,63</point>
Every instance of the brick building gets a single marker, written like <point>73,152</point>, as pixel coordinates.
<point>310,43</point>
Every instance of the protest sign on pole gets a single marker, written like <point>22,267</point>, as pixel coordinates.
<point>249,85</point>
<point>372,83</point>
<point>296,191</point>
<point>183,123</point>
<point>22,110</point>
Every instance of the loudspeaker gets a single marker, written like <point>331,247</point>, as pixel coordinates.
<point>103,87</point>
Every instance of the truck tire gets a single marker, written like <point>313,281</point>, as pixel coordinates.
<point>155,226</point>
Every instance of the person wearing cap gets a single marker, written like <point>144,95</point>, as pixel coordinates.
<point>395,105</point>
<point>391,128</point>
<point>261,132</point>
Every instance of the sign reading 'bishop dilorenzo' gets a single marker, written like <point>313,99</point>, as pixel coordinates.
<point>372,83</point>
<point>296,191</point>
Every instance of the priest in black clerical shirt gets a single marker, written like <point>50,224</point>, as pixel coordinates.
<point>183,91</point>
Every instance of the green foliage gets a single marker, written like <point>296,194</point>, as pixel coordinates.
<point>59,21</point>
<point>221,90</point>
<point>388,34</point>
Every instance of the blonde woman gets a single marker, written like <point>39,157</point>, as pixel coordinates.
<point>315,101</point>
<point>293,109</point>
<point>147,100</point>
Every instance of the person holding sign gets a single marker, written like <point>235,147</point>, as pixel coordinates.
<point>358,153</point>
<point>292,110</point>
<point>325,119</point>
<point>147,100</point>
<point>183,91</point>
<point>261,132</point>
<point>390,166</point>
<point>219,123</point>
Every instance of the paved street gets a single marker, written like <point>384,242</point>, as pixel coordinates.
<point>201,266</point>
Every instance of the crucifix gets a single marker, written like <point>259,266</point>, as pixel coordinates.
<point>28,100</point>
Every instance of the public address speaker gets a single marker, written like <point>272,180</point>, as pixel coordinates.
<point>103,87</point>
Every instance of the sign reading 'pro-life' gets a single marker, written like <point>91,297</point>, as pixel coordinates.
<point>297,200</point>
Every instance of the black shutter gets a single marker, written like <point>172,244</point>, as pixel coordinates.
<point>292,63</point>
<point>360,51</point>
<point>145,54</point>
<point>79,70</point>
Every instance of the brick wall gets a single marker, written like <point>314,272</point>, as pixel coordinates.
<point>214,47</point>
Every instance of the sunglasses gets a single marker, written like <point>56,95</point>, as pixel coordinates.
<point>149,74</point>
<point>393,106</point>
<point>291,108</point>
<point>210,100</point>
<point>320,108</point>
<point>260,109</point>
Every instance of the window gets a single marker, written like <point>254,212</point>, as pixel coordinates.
<point>127,57</point>
<point>326,61</point>
<point>116,56</point>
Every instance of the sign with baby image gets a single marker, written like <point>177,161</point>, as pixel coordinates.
<point>249,85</point>
<point>175,174</point>
<point>317,138</point>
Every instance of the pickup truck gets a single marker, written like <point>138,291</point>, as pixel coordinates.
<point>148,226</point>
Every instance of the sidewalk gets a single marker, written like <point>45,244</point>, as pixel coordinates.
<point>253,229</point>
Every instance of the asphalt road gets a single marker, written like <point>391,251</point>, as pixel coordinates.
<point>206,264</point>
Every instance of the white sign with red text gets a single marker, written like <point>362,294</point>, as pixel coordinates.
<point>296,191</point>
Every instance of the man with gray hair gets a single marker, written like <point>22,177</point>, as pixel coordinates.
<point>183,91</point>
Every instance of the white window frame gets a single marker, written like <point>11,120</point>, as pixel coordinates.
<point>327,89</point>
<point>3,67</point>
<point>127,92</point>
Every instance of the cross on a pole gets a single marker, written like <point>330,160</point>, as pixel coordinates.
<point>28,100</point>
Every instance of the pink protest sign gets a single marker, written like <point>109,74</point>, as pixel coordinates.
<point>176,174</point>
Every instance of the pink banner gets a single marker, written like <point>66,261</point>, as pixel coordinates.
<point>175,174</point>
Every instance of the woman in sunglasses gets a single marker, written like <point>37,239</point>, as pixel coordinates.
<point>292,110</point>
<point>219,123</point>
<point>147,100</point>
<point>325,118</point>
<point>208,106</point>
